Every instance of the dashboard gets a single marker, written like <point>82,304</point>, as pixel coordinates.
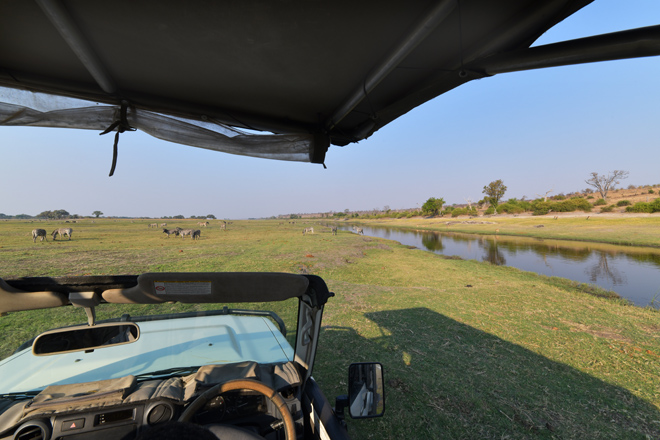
<point>243,408</point>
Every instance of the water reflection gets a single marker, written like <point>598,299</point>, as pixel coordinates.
<point>632,272</point>
<point>604,270</point>
<point>431,241</point>
<point>493,255</point>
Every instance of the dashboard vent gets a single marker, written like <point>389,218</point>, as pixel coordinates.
<point>34,430</point>
<point>159,413</point>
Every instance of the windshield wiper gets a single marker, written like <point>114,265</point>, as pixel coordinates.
<point>19,396</point>
<point>169,372</point>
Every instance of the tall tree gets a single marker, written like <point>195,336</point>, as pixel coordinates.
<point>97,213</point>
<point>494,192</point>
<point>604,183</point>
<point>433,206</point>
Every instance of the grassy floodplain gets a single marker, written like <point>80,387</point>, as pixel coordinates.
<point>470,350</point>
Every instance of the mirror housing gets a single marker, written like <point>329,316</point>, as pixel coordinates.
<point>366,390</point>
<point>85,338</point>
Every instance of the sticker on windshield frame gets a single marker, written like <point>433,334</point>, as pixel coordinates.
<point>174,288</point>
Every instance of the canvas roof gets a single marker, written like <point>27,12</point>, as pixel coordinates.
<point>310,74</point>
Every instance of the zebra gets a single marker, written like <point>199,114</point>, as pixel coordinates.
<point>171,231</point>
<point>62,232</point>
<point>333,230</point>
<point>196,234</point>
<point>184,232</point>
<point>41,233</point>
<point>308,230</point>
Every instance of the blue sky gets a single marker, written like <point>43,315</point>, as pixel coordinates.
<point>537,130</point>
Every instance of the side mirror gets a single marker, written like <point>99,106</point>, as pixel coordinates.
<point>83,338</point>
<point>366,391</point>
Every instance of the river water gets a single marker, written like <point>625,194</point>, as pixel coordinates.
<point>632,272</point>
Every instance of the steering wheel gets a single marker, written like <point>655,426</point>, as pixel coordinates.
<point>244,384</point>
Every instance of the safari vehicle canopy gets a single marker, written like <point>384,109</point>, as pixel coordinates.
<point>311,74</point>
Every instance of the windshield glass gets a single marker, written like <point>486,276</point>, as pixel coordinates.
<point>175,339</point>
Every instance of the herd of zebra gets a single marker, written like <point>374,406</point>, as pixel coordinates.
<point>41,234</point>
<point>195,234</point>
<point>179,232</point>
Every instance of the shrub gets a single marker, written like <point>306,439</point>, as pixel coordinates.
<point>590,197</point>
<point>464,211</point>
<point>607,208</point>
<point>640,207</point>
<point>655,205</point>
<point>651,191</point>
<point>600,202</point>
<point>490,210</point>
<point>623,203</point>
<point>541,208</point>
<point>510,208</point>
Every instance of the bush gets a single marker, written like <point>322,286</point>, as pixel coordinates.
<point>490,210</point>
<point>464,211</point>
<point>623,203</point>
<point>571,205</point>
<point>510,208</point>
<point>607,208</point>
<point>590,197</point>
<point>541,208</point>
<point>600,202</point>
<point>651,191</point>
<point>640,207</point>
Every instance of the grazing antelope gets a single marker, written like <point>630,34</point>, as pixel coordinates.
<point>41,233</point>
<point>308,230</point>
<point>196,234</point>
<point>359,231</point>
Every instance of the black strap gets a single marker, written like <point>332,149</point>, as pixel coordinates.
<point>121,125</point>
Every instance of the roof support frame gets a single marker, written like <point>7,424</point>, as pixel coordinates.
<point>69,30</point>
<point>427,24</point>
<point>633,43</point>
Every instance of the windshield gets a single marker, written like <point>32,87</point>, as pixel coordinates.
<point>170,344</point>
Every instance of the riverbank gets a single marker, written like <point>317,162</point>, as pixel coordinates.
<point>620,229</point>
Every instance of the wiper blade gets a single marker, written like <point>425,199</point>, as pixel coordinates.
<point>169,372</point>
<point>19,396</point>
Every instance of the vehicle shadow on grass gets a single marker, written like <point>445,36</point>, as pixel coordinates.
<point>445,379</point>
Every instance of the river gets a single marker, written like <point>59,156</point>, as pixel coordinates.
<point>632,272</point>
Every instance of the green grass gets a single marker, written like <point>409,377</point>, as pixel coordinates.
<point>470,350</point>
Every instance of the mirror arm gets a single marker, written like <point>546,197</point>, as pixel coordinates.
<point>341,402</point>
<point>86,300</point>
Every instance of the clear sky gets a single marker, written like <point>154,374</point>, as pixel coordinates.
<point>537,131</point>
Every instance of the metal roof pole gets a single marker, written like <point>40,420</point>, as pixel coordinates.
<point>69,30</point>
<point>634,43</point>
<point>422,30</point>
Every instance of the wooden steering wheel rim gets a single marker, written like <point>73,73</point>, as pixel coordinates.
<point>244,384</point>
